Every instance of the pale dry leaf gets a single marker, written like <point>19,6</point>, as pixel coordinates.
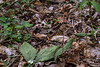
<point>38,3</point>
<point>51,8</point>
<point>40,35</point>
<point>95,52</point>
<point>2,49</point>
<point>8,51</point>
<point>87,52</point>
<point>33,10</point>
<point>81,65</point>
<point>1,1</point>
<point>39,64</point>
<point>75,45</point>
<point>60,38</point>
<point>22,63</point>
<point>68,6</point>
<point>60,19</point>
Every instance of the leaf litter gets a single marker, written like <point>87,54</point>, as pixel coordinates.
<point>50,20</point>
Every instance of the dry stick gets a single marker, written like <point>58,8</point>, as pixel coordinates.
<point>63,41</point>
<point>91,24</point>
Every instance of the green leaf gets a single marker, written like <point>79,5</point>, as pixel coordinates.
<point>28,51</point>
<point>82,4</point>
<point>3,18</point>
<point>14,35</point>
<point>6,33</point>
<point>26,37</point>
<point>46,54</point>
<point>18,26</point>
<point>9,28</point>
<point>26,24</point>
<point>66,46</point>
<point>96,6</point>
<point>82,34</point>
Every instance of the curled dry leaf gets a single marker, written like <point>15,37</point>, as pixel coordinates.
<point>87,52</point>
<point>8,51</point>
<point>2,49</point>
<point>22,63</point>
<point>81,65</point>
<point>41,36</point>
<point>97,35</point>
<point>96,53</point>
<point>39,64</point>
<point>33,10</point>
<point>5,50</point>
<point>51,8</point>
<point>60,38</point>
<point>75,45</point>
<point>37,3</point>
<point>1,1</point>
<point>66,7</point>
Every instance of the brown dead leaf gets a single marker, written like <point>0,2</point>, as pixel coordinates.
<point>29,21</point>
<point>53,65</point>
<point>21,63</point>
<point>1,64</point>
<point>2,49</point>
<point>60,19</point>
<point>33,10</point>
<point>68,6</point>
<point>37,3</point>
<point>41,36</point>
<point>76,45</point>
<point>60,38</point>
<point>81,65</point>
<point>87,52</point>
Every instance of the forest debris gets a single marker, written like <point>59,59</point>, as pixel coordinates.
<point>1,1</point>
<point>41,36</point>
<point>51,8</point>
<point>75,45</point>
<point>39,64</point>
<point>96,53</point>
<point>66,7</point>
<point>60,19</point>
<point>81,65</point>
<point>33,10</point>
<point>1,64</point>
<point>97,35</point>
<point>60,38</point>
<point>8,51</point>
<point>53,65</point>
<point>2,49</point>
<point>37,3</point>
<point>21,63</point>
<point>87,52</point>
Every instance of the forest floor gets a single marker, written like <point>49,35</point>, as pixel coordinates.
<point>53,24</point>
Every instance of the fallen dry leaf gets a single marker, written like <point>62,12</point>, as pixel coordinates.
<point>81,65</point>
<point>41,36</point>
<point>60,38</point>
<point>37,3</point>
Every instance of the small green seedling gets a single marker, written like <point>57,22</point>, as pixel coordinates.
<point>97,8</point>
<point>11,29</point>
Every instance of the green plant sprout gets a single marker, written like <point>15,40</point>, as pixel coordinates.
<point>11,29</point>
<point>32,57</point>
<point>97,8</point>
